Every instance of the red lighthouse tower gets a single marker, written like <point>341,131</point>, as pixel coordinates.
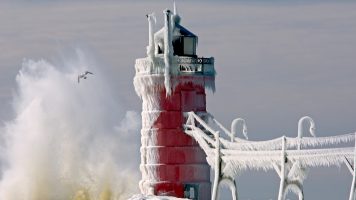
<point>172,80</point>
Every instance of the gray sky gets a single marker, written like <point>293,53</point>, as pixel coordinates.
<point>276,62</point>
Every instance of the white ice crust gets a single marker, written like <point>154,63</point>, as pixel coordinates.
<point>163,72</point>
<point>152,197</point>
<point>289,157</point>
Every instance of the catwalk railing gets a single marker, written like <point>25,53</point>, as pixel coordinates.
<point>289,157</point>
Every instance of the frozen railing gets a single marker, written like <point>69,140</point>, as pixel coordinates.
<point>289,157</point>
<point>180,65</point>
<point>151,74</point>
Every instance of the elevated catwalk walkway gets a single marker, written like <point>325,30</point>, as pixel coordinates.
<point>229,155</point>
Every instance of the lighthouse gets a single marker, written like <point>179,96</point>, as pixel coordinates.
<point>171,80</point>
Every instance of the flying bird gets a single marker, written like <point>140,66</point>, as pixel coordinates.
<point>84,75</point>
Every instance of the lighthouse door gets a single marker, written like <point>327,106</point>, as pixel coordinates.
<point>191,191</point>
<point>188,100</point>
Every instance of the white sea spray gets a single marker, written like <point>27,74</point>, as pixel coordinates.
<point>68,140</point>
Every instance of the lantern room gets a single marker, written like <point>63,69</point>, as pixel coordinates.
<point>184,42</point>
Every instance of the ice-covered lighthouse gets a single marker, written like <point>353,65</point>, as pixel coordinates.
<point>172,80</point>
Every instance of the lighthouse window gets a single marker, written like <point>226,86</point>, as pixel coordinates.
<point>189,45</point>
<point>178,46</point>
<point>184,46</point>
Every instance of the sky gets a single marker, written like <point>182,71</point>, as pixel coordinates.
<point>276,61</point>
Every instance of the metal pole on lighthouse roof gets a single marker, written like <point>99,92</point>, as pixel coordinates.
<point>151,46</point>
<point>176,17</point>
<point>174,8</point>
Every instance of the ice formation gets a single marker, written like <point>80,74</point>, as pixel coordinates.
<point>289,157</point>
<point>168,51</point>
<point>163,71</point>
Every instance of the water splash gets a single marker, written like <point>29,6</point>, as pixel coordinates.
<point>69,141</point>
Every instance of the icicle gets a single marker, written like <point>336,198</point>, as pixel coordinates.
<point>151,46</point>
<point>168,51</point>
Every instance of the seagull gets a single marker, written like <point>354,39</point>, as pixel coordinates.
<point>84,75</point>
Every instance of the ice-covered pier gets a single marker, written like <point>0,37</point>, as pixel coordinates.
<point>289,157</point>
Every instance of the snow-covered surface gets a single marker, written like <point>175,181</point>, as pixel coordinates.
<point>152,197</point>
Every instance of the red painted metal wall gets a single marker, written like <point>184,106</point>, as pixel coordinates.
<point>180,161</point>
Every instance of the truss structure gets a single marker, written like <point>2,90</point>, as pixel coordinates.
<point>291,158</point>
